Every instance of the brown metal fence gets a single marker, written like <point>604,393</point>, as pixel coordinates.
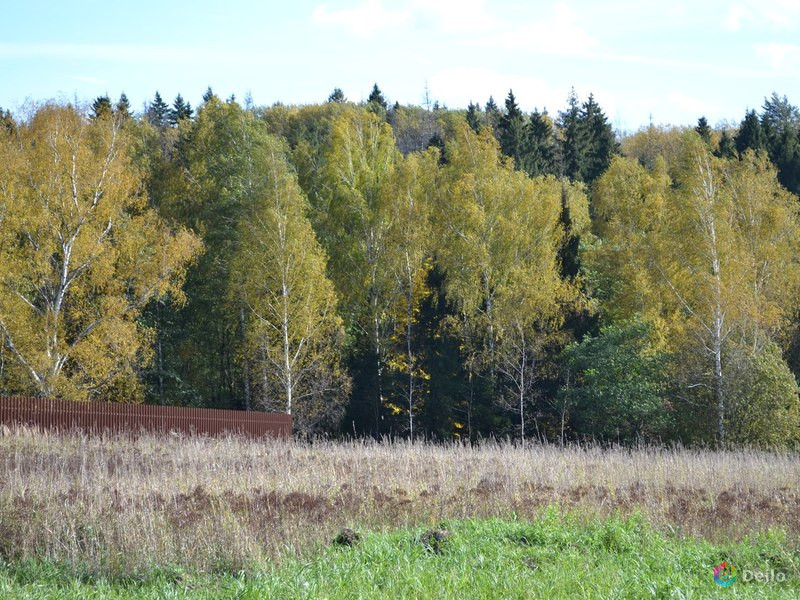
<point>95,416</point>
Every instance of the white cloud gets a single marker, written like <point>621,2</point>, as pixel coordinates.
<point>780,15</point>
<point>780,56</point>
<point>132,53</point>
<point>363,20</point>
<point>732,22</point>
<point>454,16</point>
<point>560,33</point>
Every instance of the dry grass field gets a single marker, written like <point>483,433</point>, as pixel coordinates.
<point>126,505</point>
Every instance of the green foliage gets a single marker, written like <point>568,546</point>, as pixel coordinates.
<point>180,110</point>
<point>81,255</point>
<point>703,248</point>
<point>337,95</point>
<point>541,146</point>
<point>474,117</point>
<point>376,101</point>
<point>750,135</point>
<point>158,112</point>
<point>292,331</point>
<point>512,132</point>
<point>763,395</point>
<point>123,107</point>
<point>481,559</point>
<point>703,130</point>
<point>617,384</point>
<point>101,108</point>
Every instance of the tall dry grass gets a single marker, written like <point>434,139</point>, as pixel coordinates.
<point>117,505</point>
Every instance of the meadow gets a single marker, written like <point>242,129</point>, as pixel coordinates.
<point>232,516</point>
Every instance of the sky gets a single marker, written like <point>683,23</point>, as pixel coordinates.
<point>666,62</point>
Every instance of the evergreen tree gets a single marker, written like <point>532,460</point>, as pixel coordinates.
<point>492,114</point>
<point>573,139</point>
<point>101,107</point>
<point>727,147</point>
<point>599,139</point>
<point>158,112</point>
<point>474,117</point>
<point>337,95</point>
<point>123,107</point>
<point>540,145</point>
<point>6,121</point>
<point>780,122</point>
<point>703,130</point>
<point>208,94</point>
<point>376,98</point>
<point>750,135</point>
<point>512,132</point>
<point>181,110</point>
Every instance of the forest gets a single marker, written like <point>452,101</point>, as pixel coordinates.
<point>378,269</point>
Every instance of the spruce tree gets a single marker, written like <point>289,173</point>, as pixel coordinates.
<point>750,135</point>
<point>337,95</point>
<point>376,98</point>
<point>540,145</point>
<point>123,107</point>
<point>101,107</point>
<point>474,117</point>
<point>703,130</point>
<point>573,139</point>
<point>158,112</point>
<point>599,139</point>
<point>492,114</point>
<point>208,94</point>
<point>781,122</point>
<point>727,147</point>
<point>180,110</point>
<point>6,121</point>
<point>512,132</point>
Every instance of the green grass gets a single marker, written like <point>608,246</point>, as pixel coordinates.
<point>557,556</point>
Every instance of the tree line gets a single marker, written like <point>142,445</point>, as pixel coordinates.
<point>407,270</point>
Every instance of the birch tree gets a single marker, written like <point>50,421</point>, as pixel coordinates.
<point>705,247</point>
<point>410,192</point>
<point>294,334</point>
<point>80,255</point>
<point>359,216</point>
<point>500,234</point>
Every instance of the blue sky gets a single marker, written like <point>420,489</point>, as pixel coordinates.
<point>672,61</point>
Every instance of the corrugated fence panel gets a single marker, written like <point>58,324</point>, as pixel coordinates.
<point>50,413</point>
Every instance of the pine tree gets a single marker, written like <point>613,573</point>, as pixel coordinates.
<point>123,107</point>
<point>180,110</point>
<point>540,145</point>
<point>158,112</point>
<point>573,139</point>
<point>750,135</point>
<point>208,94</point>
<point>727,147</point>
<point>101,107</point>
<point>474,117</point>
<point>376,98</point>
<point>492,114</point>
<point>781,123</point>
<point>7,124</point>
<point>599,139</point>
<point>337,95</point>
<point>512,132</point>
<point>703,130</point>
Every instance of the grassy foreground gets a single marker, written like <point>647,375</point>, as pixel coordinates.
<point>124,506</point>
<point>554,556</point>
